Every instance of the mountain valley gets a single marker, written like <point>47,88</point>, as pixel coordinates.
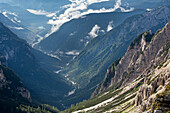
<point>84,56</point>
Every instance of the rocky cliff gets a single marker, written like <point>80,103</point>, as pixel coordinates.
<point>89,67</point>
<point>12,91</point>
<point>145,53</point>
<point>147,58</point>
<point>139,82</point>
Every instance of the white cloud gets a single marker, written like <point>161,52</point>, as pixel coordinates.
<point>79,8</point>
<point>110,26</point>
<point>126,10</point>
<point>95,31</point>
<point>96,1</point>
<point>41,12</point>
<point>37,12</point>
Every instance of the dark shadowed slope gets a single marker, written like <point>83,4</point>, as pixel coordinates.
<point>12,91</point>
<point>45,86</point>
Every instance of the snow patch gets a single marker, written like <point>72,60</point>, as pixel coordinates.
<point>5,14</point>
<point>14,19</point>
<point>10,13</point>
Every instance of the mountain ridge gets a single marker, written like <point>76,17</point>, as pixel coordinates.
<point>44,85</point>
<point>89,67</point>
<point>116,35</point>
<point>145,89</point>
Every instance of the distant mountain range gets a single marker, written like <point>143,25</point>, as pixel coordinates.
<point>74,35</point>
<point>15,26</point>
<point>53,14</point>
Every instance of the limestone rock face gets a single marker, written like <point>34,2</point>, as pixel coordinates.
<point>145,53</point>
<point>147,58</point>
<point>148,91</point>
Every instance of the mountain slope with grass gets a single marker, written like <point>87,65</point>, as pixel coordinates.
<point>97,55</point>
<point>90,66</point>
<point>138,82</point>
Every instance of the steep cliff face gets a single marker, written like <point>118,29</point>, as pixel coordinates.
<point>89,67</point>
<point>139,82</point>
<point>145,53</point>
<point>153,95</point>
<point>12,91</point>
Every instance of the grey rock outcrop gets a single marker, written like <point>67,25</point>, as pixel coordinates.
<point>145,53</point>
<point>11,84</point>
